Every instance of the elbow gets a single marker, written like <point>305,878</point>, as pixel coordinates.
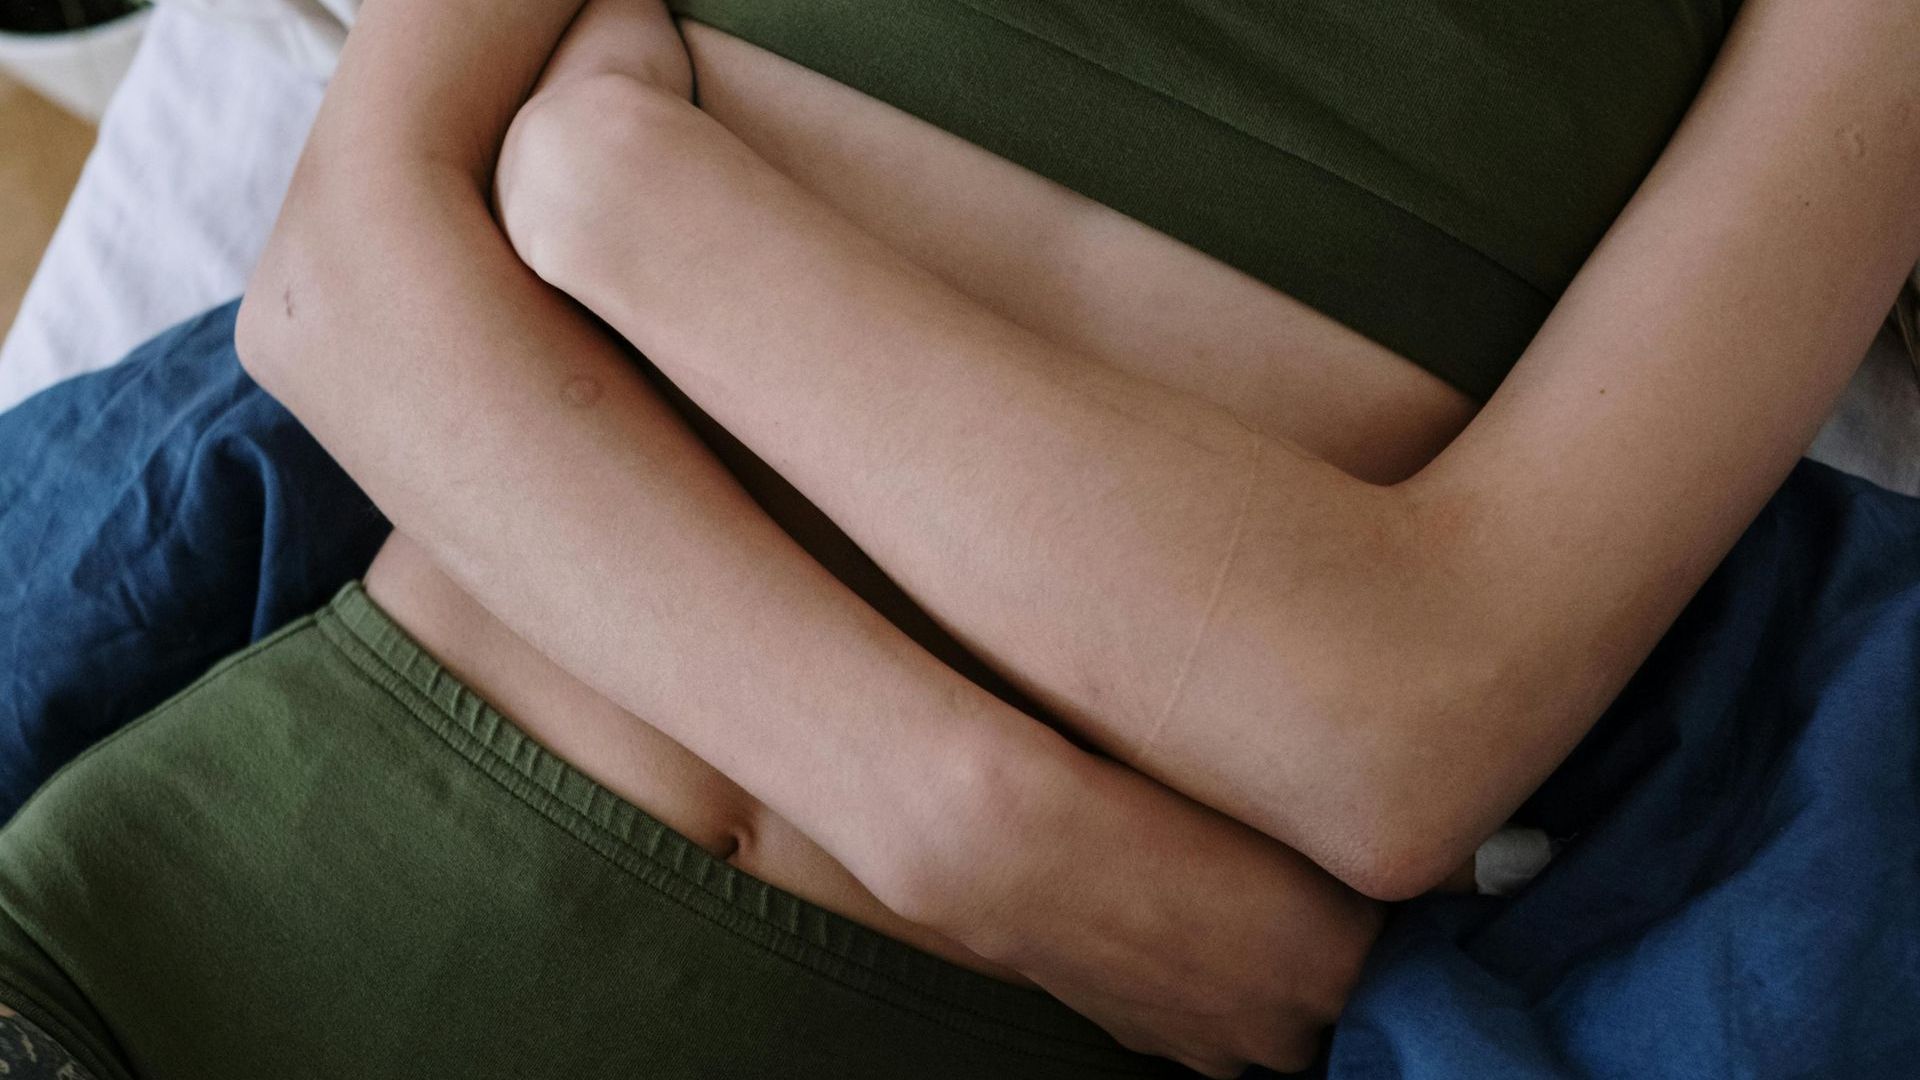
<point>586,151</point>
<point>1388,829</point>
<point>1433,774</point>
<point>1419,811</point>
<point>1397,807</point>
<point>267,336</point>
<point>1410,857</point>
<point>266,332</point>
<point>1423,759</point>
<point>1407,800</point>
<point>296,295</point>
<point>1393,714</point>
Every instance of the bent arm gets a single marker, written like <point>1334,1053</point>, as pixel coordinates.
<point>497,426</point>
<point>1375,675</point>
<point>391,316</point>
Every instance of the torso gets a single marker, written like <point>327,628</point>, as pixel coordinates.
<point>1064,266</point>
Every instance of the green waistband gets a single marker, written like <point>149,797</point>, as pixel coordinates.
<point>797,930</point>
<point>329,850</point>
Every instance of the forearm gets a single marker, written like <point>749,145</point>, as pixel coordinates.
<point>632,562</point>
<point>1031,494</point>
<point>493,423</point>
<point>488,417</point>
<point>1077,526</point>
<point>1341,664</point>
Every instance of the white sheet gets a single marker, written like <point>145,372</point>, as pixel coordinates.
<point>1875,430</point>
<point>173,206</point>
<point>193,160</point>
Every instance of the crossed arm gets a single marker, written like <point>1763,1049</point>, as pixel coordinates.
<point>1375,675</point>
<point>498,426</point>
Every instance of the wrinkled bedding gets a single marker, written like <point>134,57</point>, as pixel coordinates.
<point>154,517</point>
<point>1739,894</point>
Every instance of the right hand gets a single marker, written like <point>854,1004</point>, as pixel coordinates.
<point>1180,931</point>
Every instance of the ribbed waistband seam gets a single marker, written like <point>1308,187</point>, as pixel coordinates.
<point>649,851</point>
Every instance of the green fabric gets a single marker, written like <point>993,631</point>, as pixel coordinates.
<point>329,858</point>
<point>1429,172</point>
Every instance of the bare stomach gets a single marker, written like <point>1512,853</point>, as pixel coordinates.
<point>1060,264</point>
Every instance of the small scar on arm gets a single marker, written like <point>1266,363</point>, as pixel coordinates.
<point>581,392</point>
<point>286,300</point>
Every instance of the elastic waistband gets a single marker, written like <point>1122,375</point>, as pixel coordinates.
<point>801,932</point>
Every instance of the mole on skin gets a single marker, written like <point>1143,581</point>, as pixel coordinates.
<point>1853,142</point>
<point>286,299</point>
<point>581,392</point>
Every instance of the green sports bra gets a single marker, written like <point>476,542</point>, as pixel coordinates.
<point>1428,172</point>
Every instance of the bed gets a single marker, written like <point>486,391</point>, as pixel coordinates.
<point>174,205</point>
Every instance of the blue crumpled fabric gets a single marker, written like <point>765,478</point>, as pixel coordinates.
<point>154,517</point>
<point>1739,896</point>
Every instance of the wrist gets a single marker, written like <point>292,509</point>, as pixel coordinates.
<point>982,831</point>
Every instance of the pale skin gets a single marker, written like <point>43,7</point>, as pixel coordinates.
<point>1375,674</point>
<point>1181,931</point>
<point>1276,637</point>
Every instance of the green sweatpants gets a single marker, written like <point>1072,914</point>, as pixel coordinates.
<point>329,858</point>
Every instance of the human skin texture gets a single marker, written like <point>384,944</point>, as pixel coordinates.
<point>1374,672</point>
<point>392,316</point>
<point>1377,674</point>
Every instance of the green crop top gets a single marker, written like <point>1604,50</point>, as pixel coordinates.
<point>1429,173</point>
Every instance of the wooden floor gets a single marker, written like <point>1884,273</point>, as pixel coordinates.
<point>41,149</point>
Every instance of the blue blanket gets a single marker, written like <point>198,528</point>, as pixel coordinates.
<point>1740,894</point>
<point>154,516</point>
